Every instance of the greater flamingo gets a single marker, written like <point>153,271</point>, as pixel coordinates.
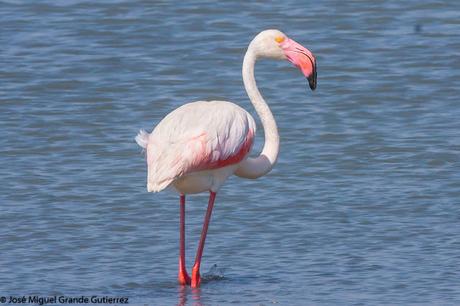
<point>198,146</point>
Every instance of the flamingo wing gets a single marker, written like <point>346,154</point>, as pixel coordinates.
<point>195,137</point>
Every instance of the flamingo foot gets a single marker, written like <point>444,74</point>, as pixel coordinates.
<point>183,278</point>
<point>196,278</point>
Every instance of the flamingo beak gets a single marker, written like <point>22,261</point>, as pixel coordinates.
<point>302,58</point>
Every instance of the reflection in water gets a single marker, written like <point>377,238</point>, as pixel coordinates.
<point>196,296</point>
<point>183,294</point>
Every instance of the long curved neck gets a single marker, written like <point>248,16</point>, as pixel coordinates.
<point>261,165</point>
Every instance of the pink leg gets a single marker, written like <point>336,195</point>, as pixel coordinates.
<point>196,279</point>
<point>183,277</point>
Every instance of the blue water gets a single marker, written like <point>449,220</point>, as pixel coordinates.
<point>361,209</point>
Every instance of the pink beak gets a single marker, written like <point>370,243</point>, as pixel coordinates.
<point>302,58</point>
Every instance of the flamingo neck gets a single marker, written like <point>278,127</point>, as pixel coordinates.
<point>261,165</point>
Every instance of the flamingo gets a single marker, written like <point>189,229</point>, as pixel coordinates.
<point>196,147</point>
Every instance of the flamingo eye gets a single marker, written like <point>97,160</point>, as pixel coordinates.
<point>279,39</point>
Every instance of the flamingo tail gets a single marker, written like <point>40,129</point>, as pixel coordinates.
<point>142,138</point>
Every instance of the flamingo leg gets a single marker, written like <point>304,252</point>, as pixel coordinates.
<point>183,277</point>
<point>196,279</point>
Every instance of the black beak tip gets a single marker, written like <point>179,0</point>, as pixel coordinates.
<point>312,79</point>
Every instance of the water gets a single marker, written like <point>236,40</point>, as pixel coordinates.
<point>362,208</point>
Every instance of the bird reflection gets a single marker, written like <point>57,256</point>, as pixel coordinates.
<point>184,293</point>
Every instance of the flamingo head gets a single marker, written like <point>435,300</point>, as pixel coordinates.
<point>277,45</point>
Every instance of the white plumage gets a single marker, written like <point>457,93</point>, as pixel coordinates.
<point>196,137</point>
